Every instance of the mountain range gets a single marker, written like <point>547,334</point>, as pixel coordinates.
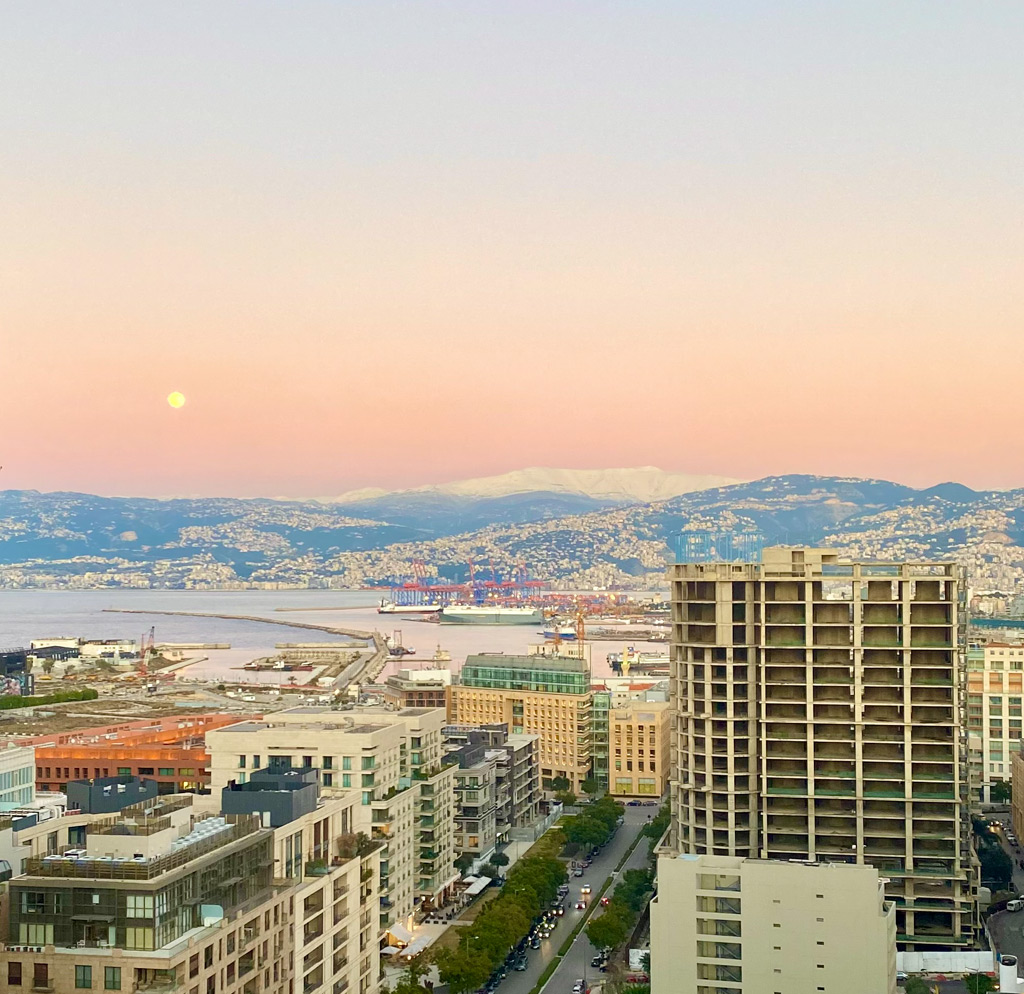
<point>584,528</point>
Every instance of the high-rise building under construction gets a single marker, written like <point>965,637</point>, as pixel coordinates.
<point>818,717</point>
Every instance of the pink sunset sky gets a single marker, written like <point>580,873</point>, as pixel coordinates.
<point>395,244</point>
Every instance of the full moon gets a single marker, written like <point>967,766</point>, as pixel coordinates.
<point>176,399</point>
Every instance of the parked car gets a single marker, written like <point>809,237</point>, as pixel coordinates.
<point>578,872</point>
<point>1015,905</point>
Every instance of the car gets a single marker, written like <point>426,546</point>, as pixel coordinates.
<point>521,964</point>
<point>585,889</point>
<point>578,872</point>
<point>650,804</point>
<point>560,910</point>
<point>605,902</point>
<point>1015,905</point>
<point>535,942</point>
<point>632,804</point>
<point>580,905</point>
<point>579,987</point>
<point>599,960</point>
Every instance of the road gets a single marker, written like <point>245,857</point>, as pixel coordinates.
<point>1007,927</point>
<point>572,966</point>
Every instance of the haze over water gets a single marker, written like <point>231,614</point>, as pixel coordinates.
<point>33,614</point>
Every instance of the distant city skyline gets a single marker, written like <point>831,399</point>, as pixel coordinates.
<point>395,245</point>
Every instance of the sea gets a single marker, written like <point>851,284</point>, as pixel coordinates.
<point>35,614</point>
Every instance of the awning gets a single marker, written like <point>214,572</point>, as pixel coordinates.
<point>92,918</point>
<point>478,885</point>
<point>390,950</point>
<point>401,933</point>
<point>417,945</point>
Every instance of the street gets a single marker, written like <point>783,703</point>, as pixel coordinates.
<point>572,966</point>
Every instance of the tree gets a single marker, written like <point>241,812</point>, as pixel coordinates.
<point>609,930</point>
<point>1000,792</point>
<point>567,797</point>
<point>47,666</point>
<point>979,983</point>
<point>645,963</point>
<point>915,985</point>
<point>499,859</point>
<point>656,828</point>
<point>560,783</point>
<point>409,982</point>
<point>464,862</point>
<point>463,970</point>
<point>996,866</point>
<point>590,786</point>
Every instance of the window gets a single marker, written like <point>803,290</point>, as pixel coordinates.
<point>328,779</point>
<point>346,762</point>
<point>83,976</point>
<point>139,906</point>
<point>138,938</point>
<point>146,771</point>
<point>328,762</point>
<point>369,762</point>
<point>346,779</point>
<point>166,771</point>
<point>255,762</point>
<point>241,762</point>
<point>307,761</point>
<point>112,978</point>
<point>13,974</point>
<point>124,771</point>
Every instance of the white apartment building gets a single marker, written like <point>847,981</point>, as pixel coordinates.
<point>17,776</point>
<point>726,925</point>
<point>392,760</point>
<point>995,687</point>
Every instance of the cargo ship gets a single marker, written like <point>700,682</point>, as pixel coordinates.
<point>567,633</point>
<point>490,614</point>
<point>390,607</point>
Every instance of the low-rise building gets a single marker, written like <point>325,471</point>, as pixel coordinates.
<point>544,695</point>
<point>725,924</point>
<point>417,688</point>
<point>170,751</point>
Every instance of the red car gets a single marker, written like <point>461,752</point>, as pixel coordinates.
<point>604,902</point>
<point>580,905</point>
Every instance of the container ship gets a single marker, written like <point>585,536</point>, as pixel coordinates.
<point>488,614</point>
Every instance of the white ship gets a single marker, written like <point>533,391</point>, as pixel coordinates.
<point>488,614</point>
<point>390,607</point>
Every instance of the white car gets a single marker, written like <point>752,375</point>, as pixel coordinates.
<point>578,987</point>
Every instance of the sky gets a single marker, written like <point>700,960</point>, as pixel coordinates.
<point>397,243</point>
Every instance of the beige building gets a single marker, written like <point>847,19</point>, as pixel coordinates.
<point>1017,783</point>
<point>169,895</point>
<point>639,738</point>
<point>547,696</point>
<point>817,717</point>
<point>995,687</point>
<point>725,924</point>
<point>391,760</point>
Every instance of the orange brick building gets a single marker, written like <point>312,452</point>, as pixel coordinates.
<point>171,751</point>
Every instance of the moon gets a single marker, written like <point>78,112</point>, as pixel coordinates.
<point>176,399</point>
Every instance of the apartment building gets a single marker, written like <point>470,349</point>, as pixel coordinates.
<point>168,895</point>
<point>170,751</point>
<point>391,760</point>
<point>547,696</point>
<point>476,798</point>
<point>995,687</point>
<point>17,776</point>
<point>818,708</point>
<point>639,737</point>
<point>727,924</point>
<point>517,773</point>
